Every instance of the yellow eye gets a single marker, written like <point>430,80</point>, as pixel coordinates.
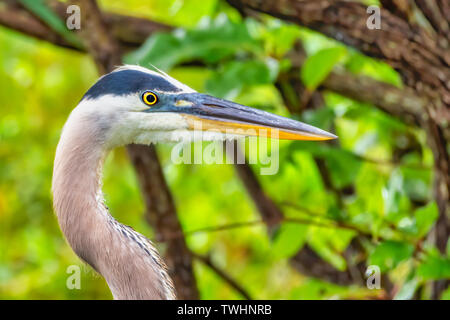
<point>149,98</point>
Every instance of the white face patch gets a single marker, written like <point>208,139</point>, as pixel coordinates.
<point>110,103</point>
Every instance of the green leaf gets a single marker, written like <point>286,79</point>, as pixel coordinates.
<point>392,195</point>
<point>361,64</point>
<point>343,165</point>
<point>418,183</point>
<point>434,267</point>
<point>318,66</point>
<point>289,239</point>
<point>425,218</point>
<point>446,294</point>
<point>163,50</point>
<point>229,81</point>
<point>388,254</point>
<point>210,42</point>
<point>279,37</point>
<point>330,244</point>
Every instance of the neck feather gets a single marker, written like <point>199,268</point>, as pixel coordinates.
<point>127,260</point>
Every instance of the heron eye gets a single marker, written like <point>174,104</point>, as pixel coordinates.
<point>149,98</point>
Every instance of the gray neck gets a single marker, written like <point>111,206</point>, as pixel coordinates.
<point>127,260</point>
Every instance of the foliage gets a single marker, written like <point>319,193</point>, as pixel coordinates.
<point>319,65</point>
<point>383,165</point>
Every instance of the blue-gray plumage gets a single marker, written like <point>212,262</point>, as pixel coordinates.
<point>124,82</point>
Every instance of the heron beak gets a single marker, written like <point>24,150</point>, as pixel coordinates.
<point>210,113</point>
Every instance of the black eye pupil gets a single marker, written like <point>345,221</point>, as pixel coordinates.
<point>149,98</point>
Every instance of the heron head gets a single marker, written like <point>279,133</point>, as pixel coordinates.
<point>137,105</point>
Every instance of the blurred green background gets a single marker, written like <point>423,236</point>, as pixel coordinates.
<point>389,200</point>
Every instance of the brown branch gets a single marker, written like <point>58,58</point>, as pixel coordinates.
<point>206,260</point>
<point>436,17</point>
<point>100,45</point>
<point>400,103</point>
<point>309,263</point>
<point>337,224</point>
<point>14,16</point>
<point>396,42</point>
<point>225,227</point>
<point>129,32</point>
<point>401,8</point>
<point>269,211</point>
<point>331,224</point>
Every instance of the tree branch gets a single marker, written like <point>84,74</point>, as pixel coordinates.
<point>130,32</point>
<point>436,16</point>
<point>269,211</point>
<point>14,16</point>
<point>400,103</point>
<point>100,45</point>
<point>206,260</point>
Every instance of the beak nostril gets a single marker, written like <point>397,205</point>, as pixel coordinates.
<point>213,105</point>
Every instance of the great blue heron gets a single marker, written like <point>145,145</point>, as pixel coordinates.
<point>135,105</point>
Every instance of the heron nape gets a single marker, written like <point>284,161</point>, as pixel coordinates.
<point>135,105</point>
